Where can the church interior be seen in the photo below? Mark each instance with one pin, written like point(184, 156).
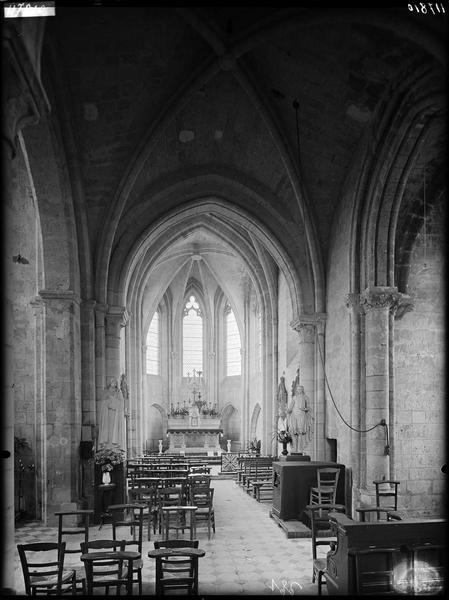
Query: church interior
point(223, 225)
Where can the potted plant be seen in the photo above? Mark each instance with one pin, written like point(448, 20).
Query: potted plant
point(107, 458)
point(284, 437)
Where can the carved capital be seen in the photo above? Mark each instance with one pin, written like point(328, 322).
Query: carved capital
point(308, 325)
point(118, 315)
point(380, 297)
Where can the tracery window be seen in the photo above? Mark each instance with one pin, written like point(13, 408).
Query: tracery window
point(233, 344)
point(153, 351)
point(192, 337)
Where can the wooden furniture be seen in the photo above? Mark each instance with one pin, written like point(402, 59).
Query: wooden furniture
point(203, 499)
point(106, 573)
point(176, 566)
point(380, 557)
point(363, 513)
point(127, 525)
point(325, 492)
point(147, 496)
point(179, 518)
point(387, 488)
point(291, 487)
point(110, 569)
point(43, 569)
point(197, 481)
point(106, 490)
point(83, 519)
point(170, 496)
point(320, 530)
point(263, 489)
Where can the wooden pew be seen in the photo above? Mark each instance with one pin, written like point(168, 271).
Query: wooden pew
point(386, 557)
point(263, 473)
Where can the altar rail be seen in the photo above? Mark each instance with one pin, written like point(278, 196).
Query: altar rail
point(389, 557)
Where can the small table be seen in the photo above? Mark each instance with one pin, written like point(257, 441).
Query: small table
point(105, 490)
point(89, 558)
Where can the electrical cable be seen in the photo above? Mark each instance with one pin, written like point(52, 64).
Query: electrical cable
point(381, 424)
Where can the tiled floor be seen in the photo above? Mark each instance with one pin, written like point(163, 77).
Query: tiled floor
point(248, 555)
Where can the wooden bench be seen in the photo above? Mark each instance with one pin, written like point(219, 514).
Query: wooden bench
point(263, 474)
point(263, 489)
point(386, 557)
point(255, 469)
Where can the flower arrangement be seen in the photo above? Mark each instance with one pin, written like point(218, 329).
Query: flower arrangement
point(284, 437)
point(108, 458)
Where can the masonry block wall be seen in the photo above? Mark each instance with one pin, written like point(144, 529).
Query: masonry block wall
point(22, 242)
point(419, 380)
point(337, 351)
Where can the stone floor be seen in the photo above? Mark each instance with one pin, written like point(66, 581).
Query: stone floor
point(248, 555)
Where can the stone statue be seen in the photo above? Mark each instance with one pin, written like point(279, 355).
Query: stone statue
point(299, 416)
point(124, 387)
point(282, 397)
point(111, 416)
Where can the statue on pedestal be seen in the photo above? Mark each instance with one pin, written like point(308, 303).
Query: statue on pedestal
point(111, 416)
point(299, 416)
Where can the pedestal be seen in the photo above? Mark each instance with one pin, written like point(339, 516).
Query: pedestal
point(113, 493)
point(291, 486)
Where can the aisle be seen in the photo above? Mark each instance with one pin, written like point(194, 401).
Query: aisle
point(249, 553)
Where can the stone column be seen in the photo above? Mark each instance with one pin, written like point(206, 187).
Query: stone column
point(311, 329)
point(88, 395)
point(100, 348)
point(88, 340)
point(63, 400)
point(116, 318)
point(38, 307)
point(377, 303)
point(357, 444)
point(23, 102)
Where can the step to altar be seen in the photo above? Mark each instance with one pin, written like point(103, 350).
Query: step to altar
point(292, 528)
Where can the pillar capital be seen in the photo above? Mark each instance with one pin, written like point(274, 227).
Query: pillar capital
point(118, 315)
point(307, 324)
point(380, 297)
point(50, 297)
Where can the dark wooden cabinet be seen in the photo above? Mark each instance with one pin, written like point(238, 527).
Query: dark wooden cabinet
point(291, 487)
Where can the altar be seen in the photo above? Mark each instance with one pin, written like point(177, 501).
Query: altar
point(194, 426)
point(191, 436)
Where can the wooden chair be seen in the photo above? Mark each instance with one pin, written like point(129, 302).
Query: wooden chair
point(203, 499)
point(170, 496)
point(325, 492)
point(147, 496)
point(387, 488)
point(43, 569)
point(127, 525)
point(82, 529)
point(319, 523)
point(176, 566)
point(106, 572)
point(196, 481)
point(381, 512)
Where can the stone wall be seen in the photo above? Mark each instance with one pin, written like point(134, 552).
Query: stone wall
point(22, 243)
point(420, 412)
